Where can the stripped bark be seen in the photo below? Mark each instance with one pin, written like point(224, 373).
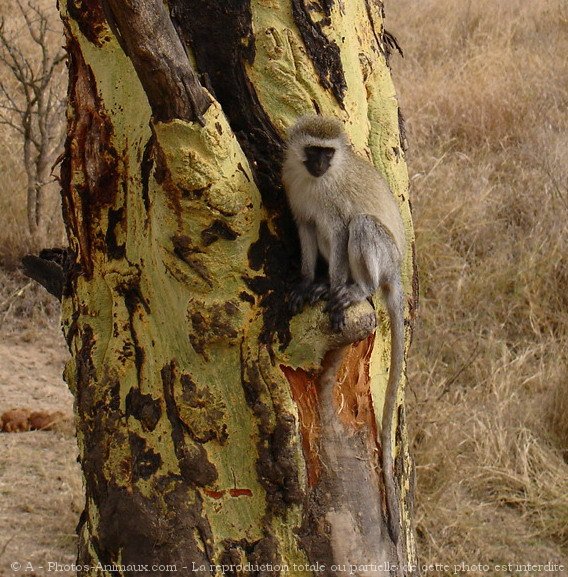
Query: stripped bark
point(213, 428)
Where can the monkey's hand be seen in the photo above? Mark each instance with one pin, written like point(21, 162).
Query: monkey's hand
point(307, 292)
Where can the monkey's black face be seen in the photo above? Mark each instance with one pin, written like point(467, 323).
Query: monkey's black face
point(318, 159)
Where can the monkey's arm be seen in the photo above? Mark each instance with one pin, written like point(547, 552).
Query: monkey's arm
point(338, 258)
point(309, 244)
point(308, 291)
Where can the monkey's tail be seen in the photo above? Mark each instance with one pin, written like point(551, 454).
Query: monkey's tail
point(395, 309)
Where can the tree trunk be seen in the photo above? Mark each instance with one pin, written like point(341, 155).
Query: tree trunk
point(31, 178)
point(206, 436)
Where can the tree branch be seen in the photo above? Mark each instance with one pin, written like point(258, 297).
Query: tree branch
point(30, 101)
point(47, 269)
point(7, 122)
point(145, 30)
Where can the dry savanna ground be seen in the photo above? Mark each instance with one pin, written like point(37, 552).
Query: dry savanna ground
point(40, 484)
point(484, 88)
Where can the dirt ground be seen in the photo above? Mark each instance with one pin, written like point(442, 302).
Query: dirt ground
point(40, 481)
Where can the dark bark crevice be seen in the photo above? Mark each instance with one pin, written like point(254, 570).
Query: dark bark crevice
point(219, 33)
point(324, 53)
point(90, 18)
point(116, 218)
point(134, 301)
point(275, 466)
point(143, 408)
point(194, 465)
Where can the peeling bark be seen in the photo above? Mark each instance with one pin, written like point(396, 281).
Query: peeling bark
point(212, 427)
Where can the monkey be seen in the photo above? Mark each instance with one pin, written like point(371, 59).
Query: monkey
point(346, 213)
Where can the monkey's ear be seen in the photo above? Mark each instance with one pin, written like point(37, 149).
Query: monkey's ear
point(47, 269)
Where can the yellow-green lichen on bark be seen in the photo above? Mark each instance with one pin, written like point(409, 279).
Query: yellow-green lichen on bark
point(185, 413)
point(371, 114)
point(282, 73)
point(127, 306)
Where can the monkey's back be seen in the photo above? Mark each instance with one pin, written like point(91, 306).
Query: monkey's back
point(370, 194)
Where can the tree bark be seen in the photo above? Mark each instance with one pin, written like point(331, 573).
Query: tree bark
point(212, 427)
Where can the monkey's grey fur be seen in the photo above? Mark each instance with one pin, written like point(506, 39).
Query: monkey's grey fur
point(345, 211)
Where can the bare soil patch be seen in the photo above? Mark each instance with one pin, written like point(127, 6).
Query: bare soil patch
point(40, 481)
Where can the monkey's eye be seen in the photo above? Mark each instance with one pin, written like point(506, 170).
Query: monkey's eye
point(328, 153)
point(314, 153)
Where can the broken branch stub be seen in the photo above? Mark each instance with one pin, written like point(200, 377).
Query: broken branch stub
point(147, 35)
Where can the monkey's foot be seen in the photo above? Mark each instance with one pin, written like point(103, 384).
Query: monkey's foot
point(317, 292)
point(307, 292)
point(340, 299)
point(337, 319)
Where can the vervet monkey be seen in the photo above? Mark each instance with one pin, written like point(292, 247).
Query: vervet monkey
point(345, 212)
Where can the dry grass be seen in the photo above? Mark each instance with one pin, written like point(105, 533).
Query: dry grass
point(40, 483)
point(14, 237)
point(41, 495)
point(25, 307)
point(485, 88)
